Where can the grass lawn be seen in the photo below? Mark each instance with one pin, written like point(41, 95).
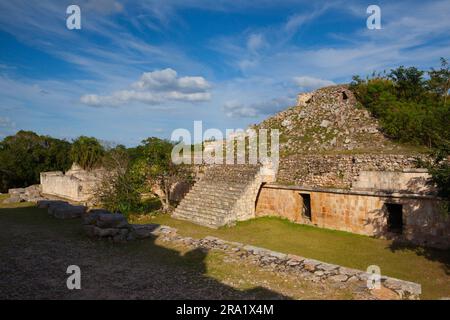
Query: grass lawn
point(430, 268)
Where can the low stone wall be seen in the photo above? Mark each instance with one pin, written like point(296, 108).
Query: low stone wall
point(360, 212)
point(308, 269)
point(339, 171)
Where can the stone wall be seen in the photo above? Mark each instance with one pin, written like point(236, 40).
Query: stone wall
point(76, 184)
point(339, 170)
point(303, 268)
point(407, 180)
point(360, 212)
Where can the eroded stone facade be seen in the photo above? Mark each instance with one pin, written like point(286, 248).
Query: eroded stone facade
point(362, 212)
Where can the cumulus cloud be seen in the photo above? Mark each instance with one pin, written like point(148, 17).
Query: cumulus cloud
point(235, 109)
point(155, 88)
point(311, 83)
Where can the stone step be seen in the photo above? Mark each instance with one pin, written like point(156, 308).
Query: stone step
point(213, 208)
point(211, 200)
point(195, 217)
point(217, 195)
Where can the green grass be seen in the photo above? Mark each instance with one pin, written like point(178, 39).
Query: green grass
point(430, 268)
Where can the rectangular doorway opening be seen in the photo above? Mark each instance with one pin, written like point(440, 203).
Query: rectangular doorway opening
point(306, 208)
point(394, 217)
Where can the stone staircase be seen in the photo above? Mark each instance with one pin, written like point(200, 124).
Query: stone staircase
point(224, 195)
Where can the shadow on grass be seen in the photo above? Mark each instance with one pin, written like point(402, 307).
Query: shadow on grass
point(134, 270)
point(441, 256)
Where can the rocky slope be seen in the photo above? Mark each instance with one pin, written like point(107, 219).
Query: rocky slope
point(329, 120)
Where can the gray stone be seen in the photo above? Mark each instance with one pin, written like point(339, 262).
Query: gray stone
point(16, 191)
point(293, 263)
point(327, 267)
point(107, 232)
point(339, 278)
point(348, 271)
point(143, 231)
point(55, 205)
point(68, 211)
point(111, 220)
point(277, 255)
point(254, 250)
point(211, 239)
point(44, 204)
point(310, 264)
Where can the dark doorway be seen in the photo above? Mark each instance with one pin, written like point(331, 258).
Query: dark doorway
point(306, 209)
point(394, 217)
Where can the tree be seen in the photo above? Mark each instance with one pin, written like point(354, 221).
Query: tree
point(439, 81)
point(87, 152)
point(26, 154)
point(409, 82)
point(159, 169)
point(119, 189)
point(410, 109)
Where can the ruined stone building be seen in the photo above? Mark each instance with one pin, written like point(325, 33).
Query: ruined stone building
point(76, 184)
point(336, 170)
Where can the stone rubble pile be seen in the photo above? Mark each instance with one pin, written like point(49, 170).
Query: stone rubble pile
point(28, 194)
point(62, 209)
point(308, 269)
point(99, 223)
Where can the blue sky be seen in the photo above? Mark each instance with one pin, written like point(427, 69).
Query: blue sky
point(144, 68)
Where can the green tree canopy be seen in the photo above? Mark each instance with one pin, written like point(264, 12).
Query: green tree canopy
point(87, 152)
point(24, 155)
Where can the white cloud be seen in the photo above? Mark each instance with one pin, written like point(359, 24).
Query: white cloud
point(235, 109)
point(155, 88)
point(311, 83)
point(256, 41)
point(168, 80)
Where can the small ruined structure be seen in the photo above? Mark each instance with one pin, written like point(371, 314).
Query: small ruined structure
point(76, 185)
point(337, 170)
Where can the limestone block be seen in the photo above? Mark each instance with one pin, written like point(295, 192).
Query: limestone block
point(111, 220)
point(68, 211)
point(144, 231)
